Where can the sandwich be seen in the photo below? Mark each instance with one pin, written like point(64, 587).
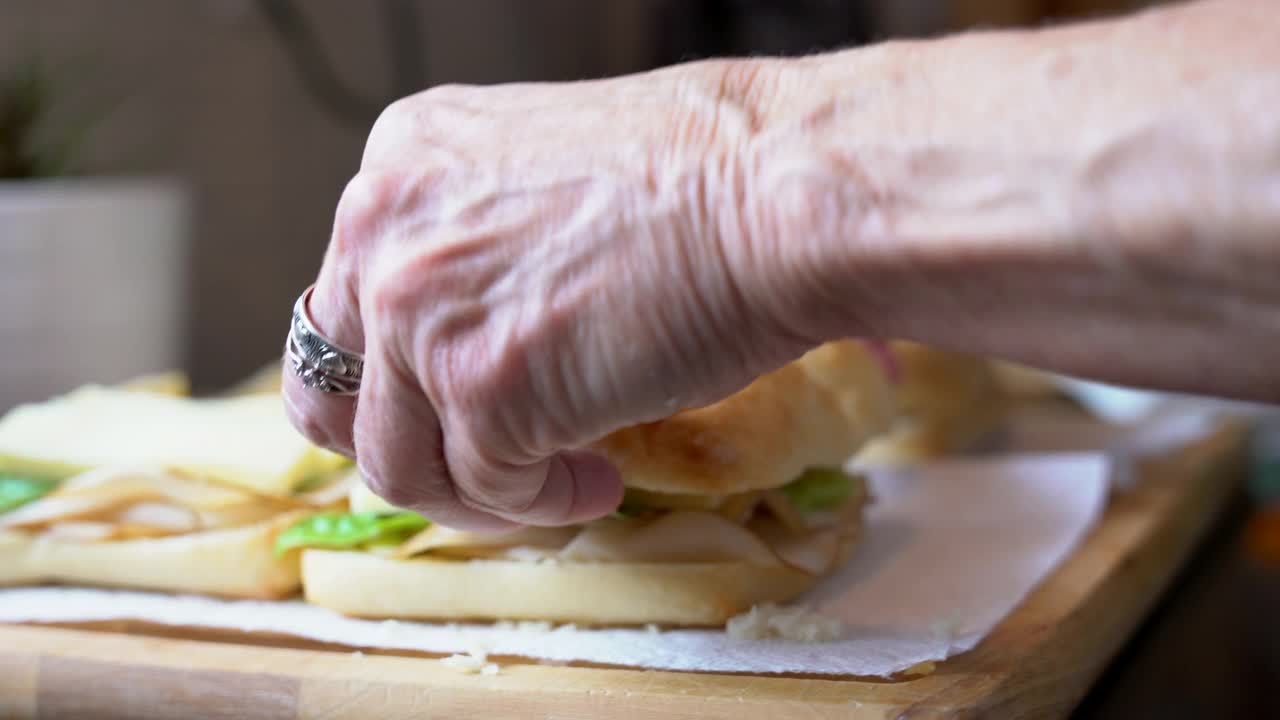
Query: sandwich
point(947, 403)
point(140, 486)
point(749, 501)
point(736, 504)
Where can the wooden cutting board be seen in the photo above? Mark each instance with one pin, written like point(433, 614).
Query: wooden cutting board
point(1036, 664)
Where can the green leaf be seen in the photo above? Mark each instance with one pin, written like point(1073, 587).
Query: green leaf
point(629, 508)
point(347, 531)
point(819, 489)
point(16, 491)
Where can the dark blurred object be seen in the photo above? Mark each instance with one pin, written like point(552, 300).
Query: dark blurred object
point(710, 28)
point(1004, 13)
point(1212, 648)
point(406, 57)
point(33, 144)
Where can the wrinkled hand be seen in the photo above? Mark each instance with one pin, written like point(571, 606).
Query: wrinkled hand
point(529, 267)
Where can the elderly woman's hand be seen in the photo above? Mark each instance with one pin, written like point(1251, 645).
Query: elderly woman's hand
point(528, 267)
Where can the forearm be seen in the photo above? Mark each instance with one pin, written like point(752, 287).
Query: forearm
point(1101, 199)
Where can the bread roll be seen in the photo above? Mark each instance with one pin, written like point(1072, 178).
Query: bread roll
point(815, 411)
point(239, 562)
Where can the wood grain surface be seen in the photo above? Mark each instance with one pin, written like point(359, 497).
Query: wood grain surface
point(1036, 664)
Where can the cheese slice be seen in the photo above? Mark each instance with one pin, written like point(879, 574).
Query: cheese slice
point(246, 441)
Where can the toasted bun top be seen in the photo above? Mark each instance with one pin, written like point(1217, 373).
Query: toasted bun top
point(933, 381)
point(815, 411)
point(947, 403)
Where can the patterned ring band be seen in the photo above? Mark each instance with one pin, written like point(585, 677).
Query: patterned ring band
point(320, 363)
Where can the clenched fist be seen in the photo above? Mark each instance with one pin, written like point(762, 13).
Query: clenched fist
point(529, 267)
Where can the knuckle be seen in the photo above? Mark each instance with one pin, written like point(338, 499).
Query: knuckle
point(446, 93)
point(366, 202)
point(407, 118)
point(389, 129)
point(390, 302)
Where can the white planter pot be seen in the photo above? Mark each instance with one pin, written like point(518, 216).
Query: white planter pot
point(92, 283)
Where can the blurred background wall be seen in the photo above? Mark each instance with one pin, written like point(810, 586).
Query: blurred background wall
point(230, 98)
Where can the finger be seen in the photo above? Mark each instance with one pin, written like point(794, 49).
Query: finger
point(565, 489)
point(323, 418)
point(399, 448)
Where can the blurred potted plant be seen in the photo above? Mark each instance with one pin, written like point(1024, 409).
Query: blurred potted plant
point(91, 264)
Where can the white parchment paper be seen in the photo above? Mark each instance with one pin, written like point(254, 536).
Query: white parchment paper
point(950, 549)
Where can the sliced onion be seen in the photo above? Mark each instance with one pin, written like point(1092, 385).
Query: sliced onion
point(441, 540)
point(780, 507)
point(164, 502)
point(187, 490)
point(236, 516)
point(127, 531)
point(739, 508)
point(162, 517)
point(81, 531)
point(680, 536)
point(524, 553)
point(57, 508)
point(813, 551)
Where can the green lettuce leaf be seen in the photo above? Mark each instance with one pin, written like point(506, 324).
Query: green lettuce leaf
point(16, 490)
point(819, 489)
point(348, 531)
point(630, 507)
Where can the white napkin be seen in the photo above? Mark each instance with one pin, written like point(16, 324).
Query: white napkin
point(949, 550)
point(1123, 445)
point(1122, 405)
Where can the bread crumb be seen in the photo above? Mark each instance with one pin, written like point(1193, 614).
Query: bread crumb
point(652, 629)
point(539, 556)
point(796, 623)
point(473, 662)
point(523, 626)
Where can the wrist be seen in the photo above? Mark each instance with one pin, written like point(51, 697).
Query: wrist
point(882, 190)
point(763, 192)
point(821, 208)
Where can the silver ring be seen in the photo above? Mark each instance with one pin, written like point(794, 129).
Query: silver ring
point(319, 362)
